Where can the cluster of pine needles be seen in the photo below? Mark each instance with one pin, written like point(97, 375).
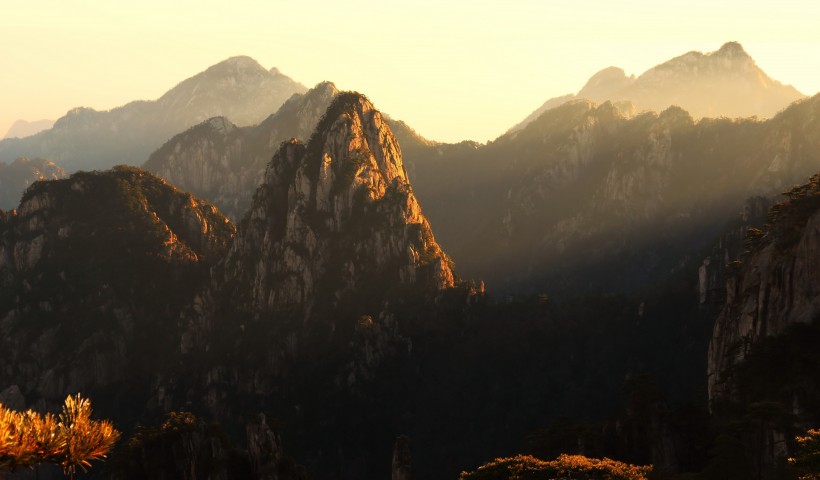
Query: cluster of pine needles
point(70, 439)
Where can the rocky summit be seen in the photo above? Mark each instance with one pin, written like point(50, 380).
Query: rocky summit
point(334, 218)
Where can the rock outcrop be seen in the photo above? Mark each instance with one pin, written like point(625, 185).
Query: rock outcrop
point(776, 285)
point(19, 174)
point(223, 163)
point(333, 219)
point(94, 270)
point(723, 83)
point(237, 88)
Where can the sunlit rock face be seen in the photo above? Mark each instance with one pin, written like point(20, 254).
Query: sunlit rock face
point(723, 83)
point(223, 163)
point(238, 88)
point(19, 174)
point(776, 285)
point(334, 219)
point(93, 272)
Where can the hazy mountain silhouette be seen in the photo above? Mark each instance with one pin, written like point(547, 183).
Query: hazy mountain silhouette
point(724, 83)
point(238, 88)
point(22, 128)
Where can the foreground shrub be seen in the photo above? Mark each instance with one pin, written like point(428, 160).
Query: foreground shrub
point(579, 467)
point(70, 439)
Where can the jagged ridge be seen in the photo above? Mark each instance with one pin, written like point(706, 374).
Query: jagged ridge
point(334, 217)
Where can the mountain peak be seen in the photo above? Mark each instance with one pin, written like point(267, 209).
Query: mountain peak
point(732, 49)
point(352, 124)
point(240, 62)
point(326, 85)
point(344, 199)
point(601, 85)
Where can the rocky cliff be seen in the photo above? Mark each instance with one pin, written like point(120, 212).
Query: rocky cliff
point(223, 163)
point(19, 174)
point(763, 380)
point(726, 82)
point(777, 284)
point(333, 270)
point(237, 88)
point(93, 272)
point(334, 218)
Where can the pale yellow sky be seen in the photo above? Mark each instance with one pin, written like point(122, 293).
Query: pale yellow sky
point(453, 70)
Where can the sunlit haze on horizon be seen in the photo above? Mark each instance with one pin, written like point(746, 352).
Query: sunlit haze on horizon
point(452, 70)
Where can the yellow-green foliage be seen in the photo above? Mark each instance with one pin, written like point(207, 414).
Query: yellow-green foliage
point(70, 439)
point(525, 467)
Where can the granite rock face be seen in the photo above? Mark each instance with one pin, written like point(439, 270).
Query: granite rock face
point(775, 286)
point(333, 218)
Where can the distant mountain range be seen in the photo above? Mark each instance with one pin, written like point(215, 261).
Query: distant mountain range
point(22, 128)
point(224, 163)
point(597, 190)
point(576, 186)
point(84, 139)
point(724, 83)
